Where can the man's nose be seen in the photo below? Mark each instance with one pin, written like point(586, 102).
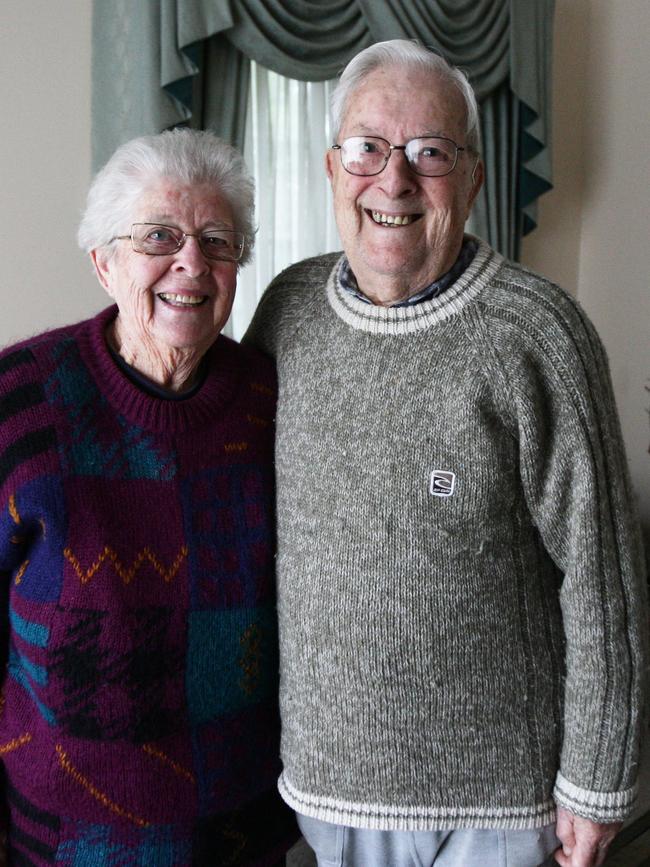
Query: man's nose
point(397, 178)
point(190, 258)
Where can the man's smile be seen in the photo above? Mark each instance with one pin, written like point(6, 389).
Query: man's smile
point(392, 220)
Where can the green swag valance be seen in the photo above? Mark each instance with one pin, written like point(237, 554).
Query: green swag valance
point(158, 63)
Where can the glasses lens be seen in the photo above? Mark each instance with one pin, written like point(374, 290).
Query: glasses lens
point(431, 156)
point(155, 240)
point(222, 244)
point(364, 155)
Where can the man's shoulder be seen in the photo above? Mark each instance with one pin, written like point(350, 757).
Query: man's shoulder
point(534, 325)
point(532, 304)
point(528, 287)
point(306, 274)
point(289, 301)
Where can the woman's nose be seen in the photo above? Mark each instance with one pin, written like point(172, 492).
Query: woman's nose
point(190, 257)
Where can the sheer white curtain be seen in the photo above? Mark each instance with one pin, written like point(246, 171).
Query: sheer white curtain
point(287, 134)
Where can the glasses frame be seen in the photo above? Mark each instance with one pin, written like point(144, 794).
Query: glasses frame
point(393, 147)
point(185, 235)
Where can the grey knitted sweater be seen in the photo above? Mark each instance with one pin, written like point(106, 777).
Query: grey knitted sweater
point(461, 601)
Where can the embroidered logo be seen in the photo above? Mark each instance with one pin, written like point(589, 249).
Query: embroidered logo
point(443, 483)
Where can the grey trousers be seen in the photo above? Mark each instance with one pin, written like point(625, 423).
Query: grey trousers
point(340, 846)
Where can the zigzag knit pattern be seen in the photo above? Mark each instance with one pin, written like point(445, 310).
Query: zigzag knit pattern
point(139, 721)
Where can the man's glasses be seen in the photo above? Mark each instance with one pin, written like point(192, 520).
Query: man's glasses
point(154, 239)
point(431, 156)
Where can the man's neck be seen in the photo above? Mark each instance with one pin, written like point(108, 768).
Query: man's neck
point(391, 291)
point(387, 290)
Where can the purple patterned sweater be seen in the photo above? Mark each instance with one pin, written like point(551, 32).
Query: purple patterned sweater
point(139, 721)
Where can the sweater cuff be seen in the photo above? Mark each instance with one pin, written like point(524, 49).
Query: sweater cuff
point(602, 807)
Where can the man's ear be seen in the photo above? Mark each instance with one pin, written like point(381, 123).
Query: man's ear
point(102, 262)
point(478, 176)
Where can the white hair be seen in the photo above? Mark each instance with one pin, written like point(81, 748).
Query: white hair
point(409, 54)
point(185, 156)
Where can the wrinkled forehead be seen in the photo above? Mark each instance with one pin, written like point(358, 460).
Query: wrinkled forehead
point(423, 100)
point(164, 198)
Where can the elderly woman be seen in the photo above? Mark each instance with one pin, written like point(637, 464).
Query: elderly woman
point(139, 721)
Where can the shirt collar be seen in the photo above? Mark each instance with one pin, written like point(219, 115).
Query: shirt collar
point(348, 281)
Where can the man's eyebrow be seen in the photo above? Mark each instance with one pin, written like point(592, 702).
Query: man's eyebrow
point(362, 129)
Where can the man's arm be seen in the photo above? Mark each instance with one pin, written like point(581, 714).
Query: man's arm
point(554, 375)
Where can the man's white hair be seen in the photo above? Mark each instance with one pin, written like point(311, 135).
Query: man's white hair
point(185, 156)
point(408, 54)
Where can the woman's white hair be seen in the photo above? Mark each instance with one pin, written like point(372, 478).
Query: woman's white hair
point(185, 156)
point(408, 54)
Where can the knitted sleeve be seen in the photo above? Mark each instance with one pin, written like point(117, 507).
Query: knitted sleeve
point(553, 373)
point(20, 391)
point(25, 435)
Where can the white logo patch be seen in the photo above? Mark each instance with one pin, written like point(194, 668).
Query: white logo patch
point(443, 483)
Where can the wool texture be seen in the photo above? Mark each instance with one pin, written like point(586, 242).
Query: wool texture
point(460, 578)
point(139, 721)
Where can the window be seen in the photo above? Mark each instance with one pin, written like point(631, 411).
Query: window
point(287, 135)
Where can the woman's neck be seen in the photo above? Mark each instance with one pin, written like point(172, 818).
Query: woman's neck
point(168, 367)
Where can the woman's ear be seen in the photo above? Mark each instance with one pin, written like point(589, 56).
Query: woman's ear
point(102, 262)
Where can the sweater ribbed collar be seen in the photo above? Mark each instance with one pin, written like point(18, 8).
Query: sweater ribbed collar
point(150, 412)
point(407, 320)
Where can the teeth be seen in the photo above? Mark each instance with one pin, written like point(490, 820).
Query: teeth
point(390, 220)
point(191, 300)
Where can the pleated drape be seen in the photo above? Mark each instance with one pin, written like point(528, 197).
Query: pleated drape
point(158, 63)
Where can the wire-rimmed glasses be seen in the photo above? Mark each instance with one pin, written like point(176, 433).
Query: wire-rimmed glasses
point(431, 156)
point(155, 239)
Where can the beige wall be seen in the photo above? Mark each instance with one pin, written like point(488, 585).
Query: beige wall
point(45, 160)
point(593, 229)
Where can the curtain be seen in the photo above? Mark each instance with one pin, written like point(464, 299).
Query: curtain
point(163, 62)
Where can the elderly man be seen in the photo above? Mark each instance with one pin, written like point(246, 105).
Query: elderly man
point(460, 575)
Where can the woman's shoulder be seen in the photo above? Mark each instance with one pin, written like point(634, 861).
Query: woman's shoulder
point(42, 344)
point(26, 363)
point(249, 361)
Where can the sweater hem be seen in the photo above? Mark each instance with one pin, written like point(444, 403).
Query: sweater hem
point(389, 817)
